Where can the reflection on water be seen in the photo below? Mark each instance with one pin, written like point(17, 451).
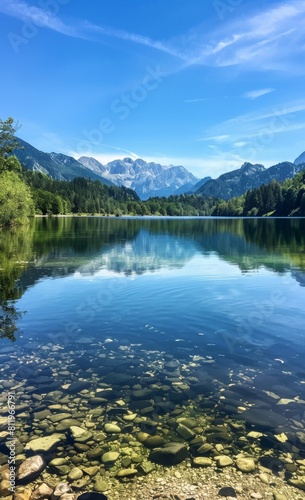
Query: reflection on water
point(188, 330)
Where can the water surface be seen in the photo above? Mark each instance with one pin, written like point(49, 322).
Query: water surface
point(204, 316)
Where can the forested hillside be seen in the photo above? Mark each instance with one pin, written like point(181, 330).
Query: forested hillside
point(277, 199)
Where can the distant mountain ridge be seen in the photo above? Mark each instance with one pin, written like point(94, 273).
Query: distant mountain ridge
point(148, 179)
point(56, 165)
point(237, 182)
point(151, 179)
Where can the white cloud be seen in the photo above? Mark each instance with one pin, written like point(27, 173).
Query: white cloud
point(195, 100)
point(36, 15)
point(243, 42)
point(215, 138)
point(254, 94)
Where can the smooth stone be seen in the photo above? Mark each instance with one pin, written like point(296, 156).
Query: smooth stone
point(41, 415)
point(223, 461)
point(95, 453)
point(58, 417)
point(30, 469)
point(141, 394)
point(148, 426)
point(101, 485)
point(57, 461)
point(227, 491)
point(79, 434)
point(172, 365)
point(74, 474)
point(154, 441)
point(205, 449)
point(91, 496)
point(130, 417)
point(297, 483)
point(127, 473)
point(264, 478)
point(69, 496)
point(43, 491)
point(112, 429)
point(110, 457)
point(267, 420)
point(79, 484)
point(202, 462)
point(91, 471)
point(61, 470)
point(126, 462)
point(45, 444)
point(81, 447)
point(170, 454)
point(142, 437)
point(279, 496)
point(61, 489)
point(97, 401)
point(188, 422)
point(185, 432)
point(78, 386)
point(65, 424)
point(245, 464)
point(23, 493)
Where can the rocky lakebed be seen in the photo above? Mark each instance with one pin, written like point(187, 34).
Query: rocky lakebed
point(107, 419)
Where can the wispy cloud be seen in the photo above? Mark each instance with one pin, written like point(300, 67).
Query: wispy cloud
point(37, 15)
point(254, 94)
point(252, 133)
point(271, 37)
point(195, 100)
point(215, 138)
point(241, 42)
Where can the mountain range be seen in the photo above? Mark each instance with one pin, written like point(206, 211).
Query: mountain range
point(149, 179)
point(237, 182)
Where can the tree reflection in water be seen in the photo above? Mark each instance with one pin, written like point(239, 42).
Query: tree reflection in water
point(15, 253)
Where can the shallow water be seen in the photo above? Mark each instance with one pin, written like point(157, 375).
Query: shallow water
point(203, 317)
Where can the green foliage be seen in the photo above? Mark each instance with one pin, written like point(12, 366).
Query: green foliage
point(15, 252)
point(10, 164)
point(278, 199)
point(15, 200)
point(8, 142)
point(92, 197)
point(15, 196)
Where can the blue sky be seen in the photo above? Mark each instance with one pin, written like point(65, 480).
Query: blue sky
point(204, 84)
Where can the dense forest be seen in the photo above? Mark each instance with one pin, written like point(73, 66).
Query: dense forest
point(87, 196)
point(24, 193)
point(275, 199)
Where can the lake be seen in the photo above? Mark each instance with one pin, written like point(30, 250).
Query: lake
point(144, 331)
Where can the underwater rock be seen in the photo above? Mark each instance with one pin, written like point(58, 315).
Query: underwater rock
point(30, 469)
point(170, 454)
point(245, 464)
point(45, 444)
